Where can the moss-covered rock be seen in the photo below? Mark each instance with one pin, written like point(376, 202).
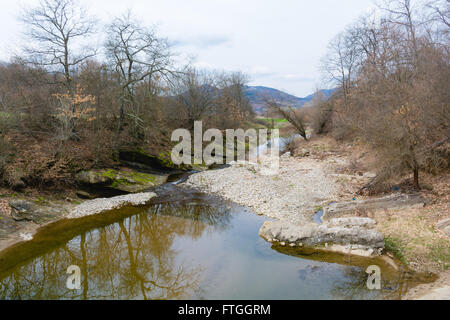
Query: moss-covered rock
point(161, 162)
point(141, 159)
point(122, 180)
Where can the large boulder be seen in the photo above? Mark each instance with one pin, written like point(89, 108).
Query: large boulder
point(129, 181)
point(93, 177)
point(162, 162)
point(346, 235)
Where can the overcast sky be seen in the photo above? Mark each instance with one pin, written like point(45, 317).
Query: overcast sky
point(278, 43)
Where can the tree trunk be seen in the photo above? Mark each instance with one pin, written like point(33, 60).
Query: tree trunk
point(119, 126)
point(416, 179)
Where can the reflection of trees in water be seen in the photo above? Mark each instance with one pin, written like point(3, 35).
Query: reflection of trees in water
point(218, 216)
point(353, 282)
point(354, 285)
point(130, 259)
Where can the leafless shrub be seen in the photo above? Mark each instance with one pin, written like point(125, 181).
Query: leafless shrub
point(295, 116)
point(319, 113)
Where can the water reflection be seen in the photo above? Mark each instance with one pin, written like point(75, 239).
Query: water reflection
point(352, 285)
point(130, 259)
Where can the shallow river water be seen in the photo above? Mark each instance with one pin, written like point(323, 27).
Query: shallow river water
point(188, 246)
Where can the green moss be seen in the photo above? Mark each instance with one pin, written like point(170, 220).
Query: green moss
point(110, 173)
point(166, 159)
point(140, 177)
point(40, 200)
point(122, 180)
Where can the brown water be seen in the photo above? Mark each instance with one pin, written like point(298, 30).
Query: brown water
point(187, 246)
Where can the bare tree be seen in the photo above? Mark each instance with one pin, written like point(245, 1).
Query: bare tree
point(195, 93)
point(339, 65)
point(441, 10)
point(137, 54)
point(54, 27)
point(233, 106)
point(295, 116)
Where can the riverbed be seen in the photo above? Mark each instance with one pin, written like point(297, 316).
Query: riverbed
point(183, 245)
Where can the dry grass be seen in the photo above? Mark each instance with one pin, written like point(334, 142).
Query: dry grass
point(412, 237)
point(410, 232)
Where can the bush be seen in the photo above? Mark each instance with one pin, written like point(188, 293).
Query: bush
point(7, 122)
point(320, 118)
point(5, 151)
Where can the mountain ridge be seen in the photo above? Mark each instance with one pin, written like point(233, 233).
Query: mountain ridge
point(256, 95)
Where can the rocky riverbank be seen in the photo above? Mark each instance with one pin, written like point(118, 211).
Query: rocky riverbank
point(21, 218)
point(326, 176)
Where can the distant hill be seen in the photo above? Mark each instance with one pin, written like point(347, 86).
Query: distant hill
point(256, 94)
point(326, 92)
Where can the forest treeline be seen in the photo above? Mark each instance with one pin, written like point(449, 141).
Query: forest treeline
point(392, 71)
point(66, 105)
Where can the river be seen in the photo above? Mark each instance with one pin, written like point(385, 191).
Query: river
point(184, 245)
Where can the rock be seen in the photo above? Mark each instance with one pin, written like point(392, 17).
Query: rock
point(83, 194)
point(346, 235)
point(102, 205)
point(7, 223)
point(123, 180)
point(352, 222)
point(162, 162)
point(199, 167)
point(444, 225)
point(92, 177)
point(140, 157)
point(22, 210)
point(26, 236)
point(341, 209)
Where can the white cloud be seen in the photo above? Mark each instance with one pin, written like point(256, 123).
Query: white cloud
point(278, 43)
